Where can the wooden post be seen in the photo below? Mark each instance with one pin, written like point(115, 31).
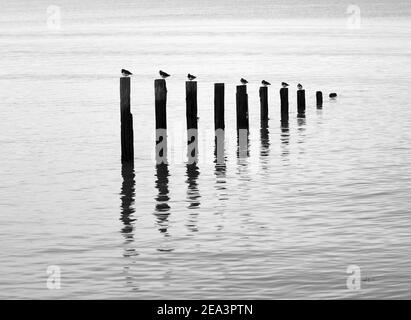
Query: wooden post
point(301, 103)
point(284, 105)
point(191, 115)
point(160, 92)
point(242, 107)
point(319, 96)
point(219, 122)
point(191, 104)
point(263, 105)
point(127, 138)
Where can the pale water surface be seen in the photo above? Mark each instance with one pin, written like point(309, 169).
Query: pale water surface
point(331, 191)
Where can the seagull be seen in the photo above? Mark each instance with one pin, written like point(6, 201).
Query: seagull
point(243, 81)
point(163, 74)
point(125, 73)
point(191, 77)
point(285, 84)
point(300, 86)
point(333, 95)
point(265, 83)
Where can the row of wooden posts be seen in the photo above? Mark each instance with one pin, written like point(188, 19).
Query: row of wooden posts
point(160, 90)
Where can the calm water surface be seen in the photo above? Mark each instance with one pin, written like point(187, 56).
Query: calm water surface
point(329, 191)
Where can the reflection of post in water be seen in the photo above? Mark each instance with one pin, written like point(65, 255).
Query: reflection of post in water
point(193, 194)
point(301, 121)
point(265, 140)
point(301, 135)
point(162, 198)
point(162, 208)
point(243, 143)
point(285, 139)
point(219, 154)
point(127, 200)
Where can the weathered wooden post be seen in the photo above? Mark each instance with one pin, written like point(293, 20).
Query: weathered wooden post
point(242, 120)
point(263, 105)
point(160, 92)
point(127, 137)
point(301, 103)
point(192, 126)
point(242, 107)
point(284, 105)
point(219, 122)
point(191, 104)
point(319, 98)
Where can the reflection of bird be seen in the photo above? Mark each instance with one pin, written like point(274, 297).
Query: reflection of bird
point(265, 83)
point(125, 73)
point(285, 84)
point(191, 77)
point(243, 81)
point(300, 86)
point(163, 74)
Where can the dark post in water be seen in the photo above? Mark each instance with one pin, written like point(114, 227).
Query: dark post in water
point(284, 105)
point(191, 104)
point(319, 97)
point(191, 114)
point(242, 107)
point(160, 92)
point(219, 122)
point(127, 145)
point(301, 103)
point(263, 105)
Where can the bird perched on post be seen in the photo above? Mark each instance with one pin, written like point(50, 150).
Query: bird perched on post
point(163, 74)
point(265, 83)
point(243, 81)
point(191, 77)
point(125, 73)
point(285, 84)
point(300, 86)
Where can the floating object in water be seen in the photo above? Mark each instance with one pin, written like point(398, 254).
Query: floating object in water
point(285, 84)
point(125, 73)
point(333, 95)
point(243, 81)
point(163, 74)
point(265, 83)
point(191, 77)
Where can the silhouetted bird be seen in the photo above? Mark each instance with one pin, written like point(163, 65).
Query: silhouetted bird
point(333, 95)
point(163, 74)
point(265, 83)
point(125, 73)
point(243, 81)
point(285, 84)
point(191, 77)
point(300, 86)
